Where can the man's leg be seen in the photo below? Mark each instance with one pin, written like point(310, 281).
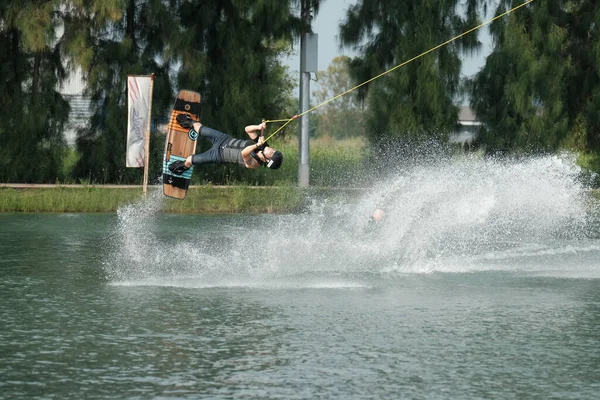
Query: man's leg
point(210, 156)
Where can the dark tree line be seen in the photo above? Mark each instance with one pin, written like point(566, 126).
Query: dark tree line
point(538, 91)
point(540, 88)
point(226, 49)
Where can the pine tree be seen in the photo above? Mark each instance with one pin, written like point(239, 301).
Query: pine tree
point(417, 99)
point(111, 40)
point(226, 50)
point(582, 21)
point(32, 112)
point(520, 93)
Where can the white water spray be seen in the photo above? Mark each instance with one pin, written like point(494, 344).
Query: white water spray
point(449, 215)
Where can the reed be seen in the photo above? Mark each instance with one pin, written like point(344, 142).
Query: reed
point(236, 199)
point(200, 199)
point(66, 199)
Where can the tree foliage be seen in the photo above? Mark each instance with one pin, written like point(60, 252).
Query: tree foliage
point(110, 40)
point(343, 117)
point(519, 93)
point(538, 90)
point(416, 99)
point(226, 49)
point(32, 112)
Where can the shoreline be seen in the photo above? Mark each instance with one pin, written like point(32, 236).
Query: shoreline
point(200, 199)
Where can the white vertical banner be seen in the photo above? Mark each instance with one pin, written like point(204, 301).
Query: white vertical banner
point(139, 93)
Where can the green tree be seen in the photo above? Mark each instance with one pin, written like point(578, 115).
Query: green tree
point(344, 116)
point(520, 94)
point(582, 100)
point(32, 113)
point(417, 99)
point(110, 40)
point(540, 88)
point(227, 50)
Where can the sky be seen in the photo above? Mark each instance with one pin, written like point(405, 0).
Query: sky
point(326, 23)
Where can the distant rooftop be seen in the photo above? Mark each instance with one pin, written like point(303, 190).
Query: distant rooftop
point(467, 117)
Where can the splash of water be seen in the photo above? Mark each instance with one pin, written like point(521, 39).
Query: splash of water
point(461, 209)
point(133, 239)
point(450, 214)
point(447, 215)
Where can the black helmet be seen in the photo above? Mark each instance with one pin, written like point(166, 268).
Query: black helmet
point(276, 160)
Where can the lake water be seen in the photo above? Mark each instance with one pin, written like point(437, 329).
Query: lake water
point(482, 281)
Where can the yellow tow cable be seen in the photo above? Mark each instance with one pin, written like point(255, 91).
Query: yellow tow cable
point(287, 121)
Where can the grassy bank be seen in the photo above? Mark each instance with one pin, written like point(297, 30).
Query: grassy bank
point(66, 199)
point(199, 199)
point(236, 199)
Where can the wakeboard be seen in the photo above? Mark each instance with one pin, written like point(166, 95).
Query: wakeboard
point(180, 144)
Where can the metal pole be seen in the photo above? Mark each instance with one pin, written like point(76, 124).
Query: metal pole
point(303, 134)
point(147, 140)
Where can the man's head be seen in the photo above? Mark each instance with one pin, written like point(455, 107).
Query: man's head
point(378, 215)
point(274, 158)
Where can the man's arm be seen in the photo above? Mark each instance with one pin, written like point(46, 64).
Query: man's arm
point(253, 130)
point(248, 160)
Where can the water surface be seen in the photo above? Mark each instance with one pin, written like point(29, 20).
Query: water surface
point(482, 281)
